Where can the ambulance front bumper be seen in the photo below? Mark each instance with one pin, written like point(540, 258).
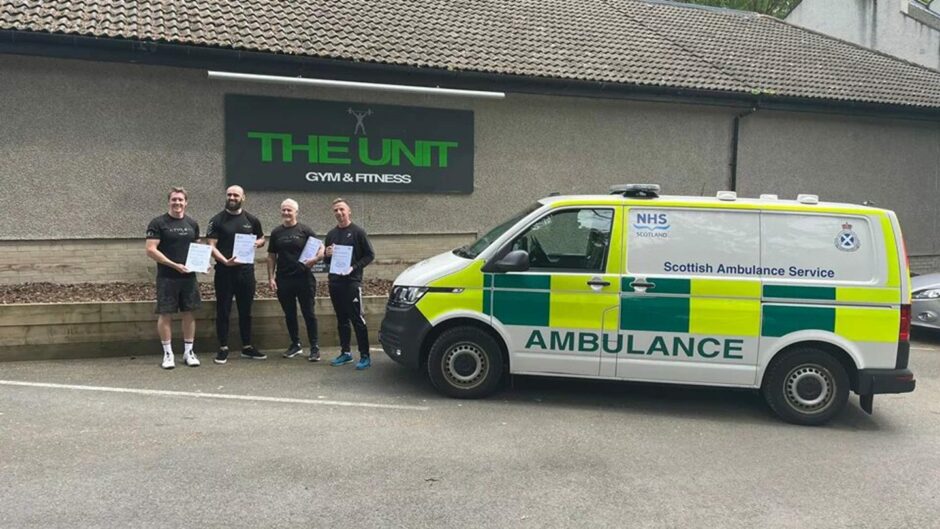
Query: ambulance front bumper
point(402, 333)
point(878, 381)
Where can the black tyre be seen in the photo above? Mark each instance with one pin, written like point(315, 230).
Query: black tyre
point(465, 363)
point(806, 386)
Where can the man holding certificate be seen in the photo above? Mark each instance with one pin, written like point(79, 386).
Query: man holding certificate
point(168, 240)
point(348, 251)
point(293, 251)
point(234, 234)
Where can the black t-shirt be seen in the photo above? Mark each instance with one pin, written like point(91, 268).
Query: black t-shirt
point(288, 244)
point(363, 254)
point(224, 226)
point(174, 235)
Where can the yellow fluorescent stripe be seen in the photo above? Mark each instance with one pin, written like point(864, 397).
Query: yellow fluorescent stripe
point(605, 200)
point(891, 252)
point(615, 252)
point(579, 283)
point(435, 304)
point(731, 317)
point(469, 277)
point(584, 311)
point(731, 288)
point(768, 206)
point(868, 295)
point(867, 324)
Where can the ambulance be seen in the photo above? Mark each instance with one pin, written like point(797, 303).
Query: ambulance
point(802, 300)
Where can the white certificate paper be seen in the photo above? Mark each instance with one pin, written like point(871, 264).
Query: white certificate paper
point(197, 259)
point(310, 249)
point(244, 250)
point(342, 259)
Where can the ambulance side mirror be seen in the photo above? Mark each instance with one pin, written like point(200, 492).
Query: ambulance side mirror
point(515, 261)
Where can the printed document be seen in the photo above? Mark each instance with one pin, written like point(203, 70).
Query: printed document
point(310, 249)
point(244, 251)
point(342, 259)
point(197, 259)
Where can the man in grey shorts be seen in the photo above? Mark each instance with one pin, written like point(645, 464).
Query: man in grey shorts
point(168, 239)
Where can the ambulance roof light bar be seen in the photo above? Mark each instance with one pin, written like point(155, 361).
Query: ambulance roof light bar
point(807, 199)
point(636, 190)
point(331, 83)
point(727, 195)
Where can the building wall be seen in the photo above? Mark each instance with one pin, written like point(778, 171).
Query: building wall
point(896, 27)
point(895, 164)
point(88, 150)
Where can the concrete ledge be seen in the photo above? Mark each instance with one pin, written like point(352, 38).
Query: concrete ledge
point(46, 331)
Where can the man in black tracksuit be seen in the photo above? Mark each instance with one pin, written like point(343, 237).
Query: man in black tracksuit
point(346, 288)
point(233, 278)
point(293, 279)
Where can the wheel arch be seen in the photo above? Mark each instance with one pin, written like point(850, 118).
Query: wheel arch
point(841, 354)
point(444, 325)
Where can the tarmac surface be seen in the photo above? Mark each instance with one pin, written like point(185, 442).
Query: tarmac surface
point(285, 443)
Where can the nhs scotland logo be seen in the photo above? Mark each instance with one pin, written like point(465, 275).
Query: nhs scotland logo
point(651, 225)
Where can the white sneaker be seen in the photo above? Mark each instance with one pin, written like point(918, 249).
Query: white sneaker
point(168, 361)
point(190, 359)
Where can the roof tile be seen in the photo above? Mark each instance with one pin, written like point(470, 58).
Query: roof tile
point(629, 42)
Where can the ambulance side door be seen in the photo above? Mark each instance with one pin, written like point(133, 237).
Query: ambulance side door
point(690, 300)
point(555, 312)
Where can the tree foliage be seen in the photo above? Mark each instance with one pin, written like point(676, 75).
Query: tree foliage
point(777, 8)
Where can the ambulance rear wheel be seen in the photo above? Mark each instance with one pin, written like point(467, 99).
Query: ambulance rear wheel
point(806, 386)
point(465, 363)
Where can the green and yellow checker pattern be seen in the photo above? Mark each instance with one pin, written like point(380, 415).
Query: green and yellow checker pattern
point(745, 308)
point(724, 307)
point(854, 313)
point(727, 307)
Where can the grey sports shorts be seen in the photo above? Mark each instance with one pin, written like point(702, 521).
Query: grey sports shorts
point(177, 294)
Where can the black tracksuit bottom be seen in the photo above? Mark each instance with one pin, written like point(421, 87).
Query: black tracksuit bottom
point(302, 289)
point(236, 281)
point(347, 303)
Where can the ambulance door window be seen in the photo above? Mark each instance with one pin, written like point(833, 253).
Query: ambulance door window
point(572, 240)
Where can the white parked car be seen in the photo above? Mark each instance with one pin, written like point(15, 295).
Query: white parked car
point(925, 301)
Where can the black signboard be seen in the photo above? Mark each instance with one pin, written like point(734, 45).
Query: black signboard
point(278, 144)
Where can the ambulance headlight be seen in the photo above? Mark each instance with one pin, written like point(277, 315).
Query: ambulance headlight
point(405, 296)
point(932, 293)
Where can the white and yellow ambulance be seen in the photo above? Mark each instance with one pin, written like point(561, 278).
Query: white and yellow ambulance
point(802, 299)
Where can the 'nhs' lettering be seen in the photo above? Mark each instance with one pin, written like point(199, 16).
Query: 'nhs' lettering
point(651, 218)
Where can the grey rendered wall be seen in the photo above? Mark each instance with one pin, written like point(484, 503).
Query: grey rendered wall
point(88, 150)
point(882, 25)
point(896, 164)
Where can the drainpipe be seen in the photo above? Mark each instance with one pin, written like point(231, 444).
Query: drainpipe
point(735, 134)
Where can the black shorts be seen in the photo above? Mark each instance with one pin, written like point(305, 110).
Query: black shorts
point(177, 294)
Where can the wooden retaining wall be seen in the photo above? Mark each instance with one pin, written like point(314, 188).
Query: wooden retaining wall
point(44, 331)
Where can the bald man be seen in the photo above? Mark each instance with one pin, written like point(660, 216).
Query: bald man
point(233, 278)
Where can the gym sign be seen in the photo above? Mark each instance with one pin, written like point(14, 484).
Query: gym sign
point(275, 144)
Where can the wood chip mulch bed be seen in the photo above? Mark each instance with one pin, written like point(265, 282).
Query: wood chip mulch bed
point(93, 292)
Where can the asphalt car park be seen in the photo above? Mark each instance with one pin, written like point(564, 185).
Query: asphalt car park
point(121, 443)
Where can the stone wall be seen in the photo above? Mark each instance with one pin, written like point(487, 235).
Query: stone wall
point(45, 331)
point(104, 260)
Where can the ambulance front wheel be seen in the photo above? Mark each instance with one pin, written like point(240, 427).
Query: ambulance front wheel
point(806, 386)
point(466, 363)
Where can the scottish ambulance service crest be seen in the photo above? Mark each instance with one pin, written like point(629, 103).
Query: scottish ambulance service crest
point(847, 240)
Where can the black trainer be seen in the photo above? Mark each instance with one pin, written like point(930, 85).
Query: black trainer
point(294, 350)
point(254, 354)
point(314, 355)
point(221, 357)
